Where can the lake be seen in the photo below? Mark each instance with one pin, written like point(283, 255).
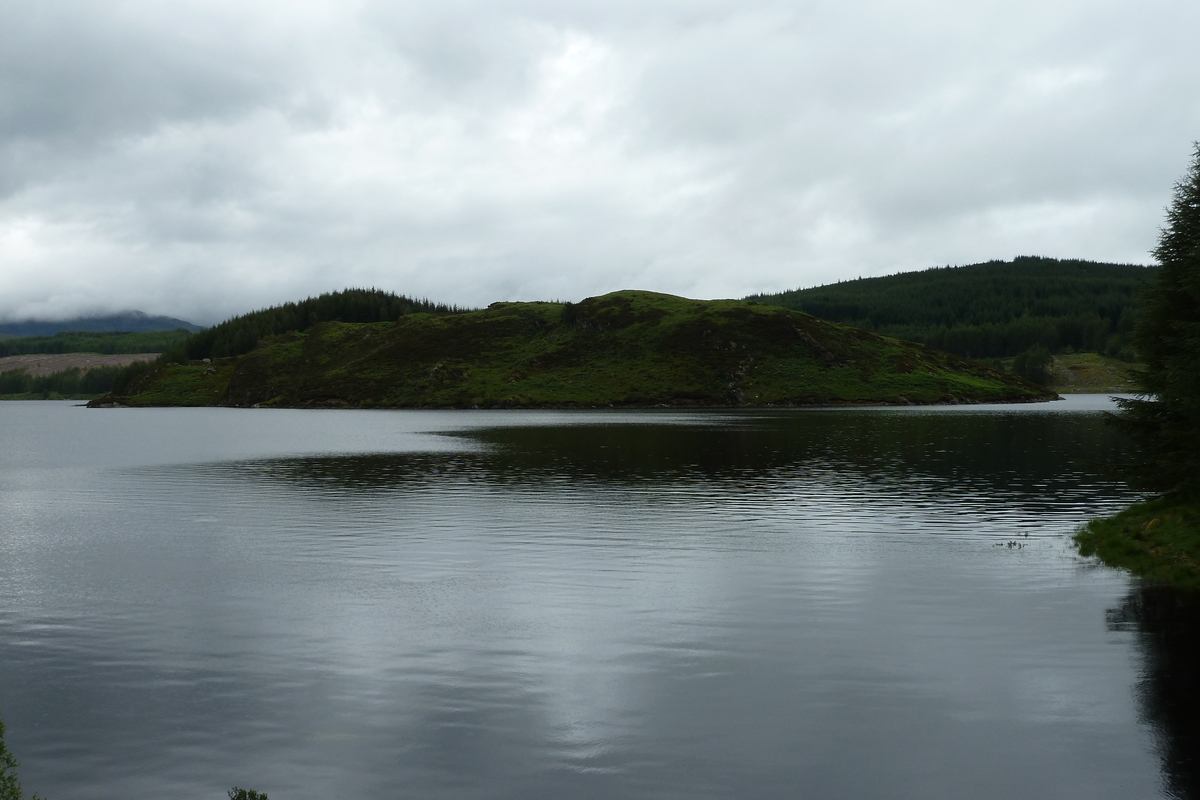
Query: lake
point(802, 603)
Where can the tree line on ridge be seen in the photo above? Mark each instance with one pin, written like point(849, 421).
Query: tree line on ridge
point(997, 309)
point(108, 342)
point(240, 335)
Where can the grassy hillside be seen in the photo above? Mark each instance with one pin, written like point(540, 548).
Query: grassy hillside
point(626, 349)
point(992, 310)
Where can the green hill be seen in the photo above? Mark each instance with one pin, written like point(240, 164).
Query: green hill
point(993, 310)
point(623, 349)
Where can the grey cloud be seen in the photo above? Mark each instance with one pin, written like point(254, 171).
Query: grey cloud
point(86, 70)
point(200, 159)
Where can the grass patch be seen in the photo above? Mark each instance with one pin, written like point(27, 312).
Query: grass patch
point(183, 385)
point(1158, 540)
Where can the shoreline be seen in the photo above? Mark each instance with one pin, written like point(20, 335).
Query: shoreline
point(1157, 540)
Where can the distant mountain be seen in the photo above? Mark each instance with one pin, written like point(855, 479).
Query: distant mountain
point(128, 321)
point(991, 310)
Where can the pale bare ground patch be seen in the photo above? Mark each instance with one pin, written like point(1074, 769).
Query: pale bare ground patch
point(48, 363)
point(1089, 373)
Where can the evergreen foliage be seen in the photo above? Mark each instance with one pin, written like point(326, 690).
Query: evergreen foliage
point(242, 334)
point(130, 374)
point(10, 787)
point(1034, 365)
point(997, 309)
point(68, 383)
point(246, 794)
point(84, 342)
point(1165, 416)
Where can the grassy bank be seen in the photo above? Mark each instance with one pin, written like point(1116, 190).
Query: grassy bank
point(1158, 540)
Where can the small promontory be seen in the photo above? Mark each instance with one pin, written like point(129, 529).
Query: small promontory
point(628, 348)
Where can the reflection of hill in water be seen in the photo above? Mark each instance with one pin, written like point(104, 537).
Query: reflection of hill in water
point(1167, 623)
point(1022, 456)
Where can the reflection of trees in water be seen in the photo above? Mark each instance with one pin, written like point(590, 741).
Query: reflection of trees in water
point(1033, 459)
point(1005, 448)
point(1167, 623)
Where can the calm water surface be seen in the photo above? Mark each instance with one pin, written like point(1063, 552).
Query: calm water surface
point(799, 604)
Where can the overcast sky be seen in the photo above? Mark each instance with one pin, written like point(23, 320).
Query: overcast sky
point(201, 158)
